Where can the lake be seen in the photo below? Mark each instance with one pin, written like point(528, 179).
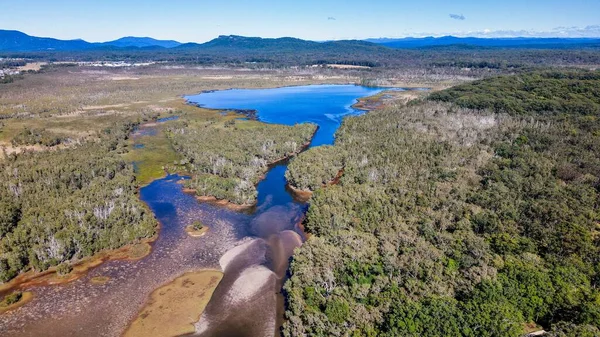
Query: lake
point(324, 105)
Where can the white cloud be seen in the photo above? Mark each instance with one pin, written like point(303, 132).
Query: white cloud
point(566, 32)
point(589, 31)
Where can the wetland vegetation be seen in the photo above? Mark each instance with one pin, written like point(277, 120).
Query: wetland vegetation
point(14, 300)
point(62, 205)
point(70, 168)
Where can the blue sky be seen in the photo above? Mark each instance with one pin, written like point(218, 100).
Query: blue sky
point(202, 20)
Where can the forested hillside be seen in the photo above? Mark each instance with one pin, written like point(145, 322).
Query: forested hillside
point(62, 205)
point(237, 51)
point(449, 221)
point(227, 159)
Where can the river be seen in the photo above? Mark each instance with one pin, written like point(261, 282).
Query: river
point(252, 249)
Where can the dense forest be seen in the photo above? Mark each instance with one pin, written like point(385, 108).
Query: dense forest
point(227, 159)
point(60, 205)
point(472, 213)
point(537, 93)
point(315, 168)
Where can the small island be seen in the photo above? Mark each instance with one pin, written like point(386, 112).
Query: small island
point(14, 300)
point(99, 280)
point(196, 229)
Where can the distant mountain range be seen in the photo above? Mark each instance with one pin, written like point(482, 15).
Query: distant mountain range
point(12, 40)
point(517, 42)
point(237, 43)
point(141, 42)
point(15, 41)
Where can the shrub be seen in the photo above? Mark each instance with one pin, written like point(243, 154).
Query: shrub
point(12, 298)
point(64, 268)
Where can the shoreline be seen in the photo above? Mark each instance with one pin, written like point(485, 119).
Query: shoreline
point(253, 114)
point(304, 195)
point(220, 202)
point(400, 86)
point(247, 207)
point(299, 194)
point(27, 296)
point(49, 277)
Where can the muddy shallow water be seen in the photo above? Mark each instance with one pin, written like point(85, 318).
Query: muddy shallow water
point(84, 309)
point(252, 249)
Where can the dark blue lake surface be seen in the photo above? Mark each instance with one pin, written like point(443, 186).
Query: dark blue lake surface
point(324, 105)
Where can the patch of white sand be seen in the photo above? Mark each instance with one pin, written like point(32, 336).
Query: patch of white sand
point(236, 251)
point(249, 284)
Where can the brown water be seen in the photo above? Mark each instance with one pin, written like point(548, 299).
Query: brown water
point(252, 250)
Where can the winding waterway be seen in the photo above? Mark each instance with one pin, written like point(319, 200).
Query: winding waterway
point(248, 302)
point(253, 250)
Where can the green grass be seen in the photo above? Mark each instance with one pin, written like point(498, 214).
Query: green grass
point(151, 160)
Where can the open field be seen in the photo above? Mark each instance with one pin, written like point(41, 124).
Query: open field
point(92, 91)
point(33, 66)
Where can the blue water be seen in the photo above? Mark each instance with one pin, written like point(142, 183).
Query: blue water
point(166, 119)
point(324, 105)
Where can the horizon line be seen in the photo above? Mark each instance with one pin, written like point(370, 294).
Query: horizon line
point(424, 36)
